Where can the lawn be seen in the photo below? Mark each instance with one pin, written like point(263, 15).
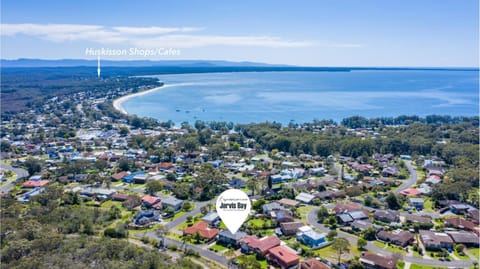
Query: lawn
point(428, 205)
point(218, 248)
point(108, 204)
point(391, 248)
point(464, 257)
point(331, 255)
point(475, 252)
point(303, 212)
point(258, 223)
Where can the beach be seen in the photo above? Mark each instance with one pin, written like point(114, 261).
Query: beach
point(117, 103)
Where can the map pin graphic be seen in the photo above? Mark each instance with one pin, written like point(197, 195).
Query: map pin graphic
point(233, 207)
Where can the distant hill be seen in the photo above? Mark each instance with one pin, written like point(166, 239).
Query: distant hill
point(128, 63)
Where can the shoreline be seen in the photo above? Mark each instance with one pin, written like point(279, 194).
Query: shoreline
point(117, 102)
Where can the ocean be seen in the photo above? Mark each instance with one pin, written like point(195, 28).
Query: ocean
point(299, 97)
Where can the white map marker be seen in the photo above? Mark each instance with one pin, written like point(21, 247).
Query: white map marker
point(233, 207)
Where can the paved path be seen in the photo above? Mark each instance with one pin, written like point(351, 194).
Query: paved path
point(21, 173)
point(312, 220)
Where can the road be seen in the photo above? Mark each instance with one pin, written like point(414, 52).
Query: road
point(203, 252)
point(312, 220)
point(412, 180)
point(21, 173)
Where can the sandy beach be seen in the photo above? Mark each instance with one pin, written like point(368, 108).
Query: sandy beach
point(117, 103)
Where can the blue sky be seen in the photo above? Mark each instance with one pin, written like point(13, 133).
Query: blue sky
point(310, 32)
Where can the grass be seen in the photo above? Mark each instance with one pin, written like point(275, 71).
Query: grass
point(108, 204)
point(428, 205)
point(475, 252)
point(391, 248)
point(258, 223)
point(330, 254)
point(218, 248)
point(303, 212)
point(464, 257)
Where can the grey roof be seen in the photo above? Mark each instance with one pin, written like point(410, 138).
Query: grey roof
point(304, 197)
point(463, 237)
point(314, 235)
point(358, 214)
point(172, 201)
point(236, 236)
point(345, 217)
point(212, 216)
point(273, 206)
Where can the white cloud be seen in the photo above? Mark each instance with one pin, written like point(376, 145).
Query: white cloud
point(152, 36)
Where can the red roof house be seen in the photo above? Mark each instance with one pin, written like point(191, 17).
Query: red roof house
point(253, 243)
point(283, 257)
point(35, 184)
point(202, 228)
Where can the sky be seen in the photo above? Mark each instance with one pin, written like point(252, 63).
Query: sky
point(307, 32)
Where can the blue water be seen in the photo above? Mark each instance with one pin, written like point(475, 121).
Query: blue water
point(304, 96)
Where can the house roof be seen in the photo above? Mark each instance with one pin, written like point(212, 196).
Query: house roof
point(210, 217)
point(202, 228)
point(463, 237)
point(304, 197)
point(262, 244)
point(313, 263)
point(417, 219)
point(284, 254)
point(345, 217)
point(401, 236)
point(120, 196)
point(362, 224)
point(410, 192)
point(314, 235)
point(378, 261)
point(291, 226)
point(34, 184)
point(429, 237)
point(289, 202)
point(346, 207)
point(236, 236)
point(150, 199)
point(460, 223)
point(119, 175)
point(386, 214)
point(358, 214)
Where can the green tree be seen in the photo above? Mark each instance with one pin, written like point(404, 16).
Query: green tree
point(331, 235)
point(322, 214)
point(33, 166)
point(361, 243)
point(392, 201)
point(153, 186)
point(341, 246)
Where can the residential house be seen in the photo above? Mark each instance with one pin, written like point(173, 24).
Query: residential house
point(283, 257)
point(346, 207)
point(411, 218)
point(397, 237)
point(119, 197)
point(410, 192)
point(390, 170)
point(435, 241)
point(203, 230)
point(312, 239)
point(320, 171)
point(118, 176)
point(468, 239)
point(288, 203)
point(362, 225)
point(237, 183)
point(462, 224)
point(474, 214)
point(252, 243)
point(313, 263)
point(226, 238)
point(459, 208)
point(304, 197)
point(35, 183)
point(358, 215)
point(151, 201)
point(344, 219)
point(387, 216)
point(267, 208)
point(172, 202)
point(416, 202)
point(130, 177)
point(290, 228)
point(146, 217)
point(281, 216)
point(212, 219)
point(375, 261)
